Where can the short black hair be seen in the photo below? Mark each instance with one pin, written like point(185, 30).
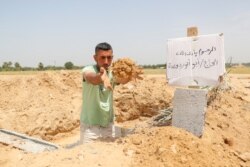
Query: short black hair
point(103, 46)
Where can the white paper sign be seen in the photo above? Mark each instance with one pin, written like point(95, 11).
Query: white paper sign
point(195, 60)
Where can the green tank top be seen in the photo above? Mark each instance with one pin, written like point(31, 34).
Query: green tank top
point(97, 102)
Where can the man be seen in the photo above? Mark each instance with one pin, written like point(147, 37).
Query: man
point(97, 114)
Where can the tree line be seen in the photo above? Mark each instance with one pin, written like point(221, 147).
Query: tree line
point(9, 66)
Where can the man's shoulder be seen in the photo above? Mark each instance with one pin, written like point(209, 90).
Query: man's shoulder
point(89, 68)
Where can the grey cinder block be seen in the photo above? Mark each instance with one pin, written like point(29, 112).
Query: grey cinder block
point(189, 110)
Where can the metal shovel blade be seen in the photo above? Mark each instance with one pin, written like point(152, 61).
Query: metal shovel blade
point(24, 142)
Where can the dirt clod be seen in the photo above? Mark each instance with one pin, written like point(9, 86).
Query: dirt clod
point(126, 69)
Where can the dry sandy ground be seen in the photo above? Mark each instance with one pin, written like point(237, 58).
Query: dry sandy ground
point(47, 106)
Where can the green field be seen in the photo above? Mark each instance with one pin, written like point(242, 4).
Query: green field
point(22, 72)
point(239, 70)
point(232, 70)
point(154, 71)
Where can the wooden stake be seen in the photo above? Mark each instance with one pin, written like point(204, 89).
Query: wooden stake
point(192, 31)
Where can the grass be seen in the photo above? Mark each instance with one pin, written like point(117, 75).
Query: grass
point(18, 72)
point(239, 70)
point(154, 71)
point(232, 70)
point(22, 72)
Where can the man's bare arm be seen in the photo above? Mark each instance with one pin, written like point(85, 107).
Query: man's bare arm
point(99, 78)
point(93, 78)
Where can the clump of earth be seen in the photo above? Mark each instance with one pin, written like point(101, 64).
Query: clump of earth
point(126, 69)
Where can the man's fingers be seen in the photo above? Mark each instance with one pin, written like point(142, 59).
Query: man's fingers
point(107, 84)
point(110, 87)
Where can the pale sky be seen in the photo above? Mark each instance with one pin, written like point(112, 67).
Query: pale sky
point(56, 31)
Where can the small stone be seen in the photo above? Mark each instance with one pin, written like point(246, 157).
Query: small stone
point(219, 125)
point(228, 141)
point(173, 148)
point(128, 152)
point(80, 156)
point(161, 150)
point(245, 156)
point(20, 157)
point(137, 151)
point(136, 141)
point(224, 114)
point(183, 159)
point(119, 141)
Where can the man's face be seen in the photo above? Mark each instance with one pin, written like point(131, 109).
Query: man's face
point(104, 58)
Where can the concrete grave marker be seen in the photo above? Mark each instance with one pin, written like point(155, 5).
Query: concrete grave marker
point(189, 110)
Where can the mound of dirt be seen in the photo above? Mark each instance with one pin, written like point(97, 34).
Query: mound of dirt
point(41, 105)
point(142, 98)
point(226, 136)
point(170, 146)
point(49, 103)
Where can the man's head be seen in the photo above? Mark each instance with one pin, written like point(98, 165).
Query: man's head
point(103, 55)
